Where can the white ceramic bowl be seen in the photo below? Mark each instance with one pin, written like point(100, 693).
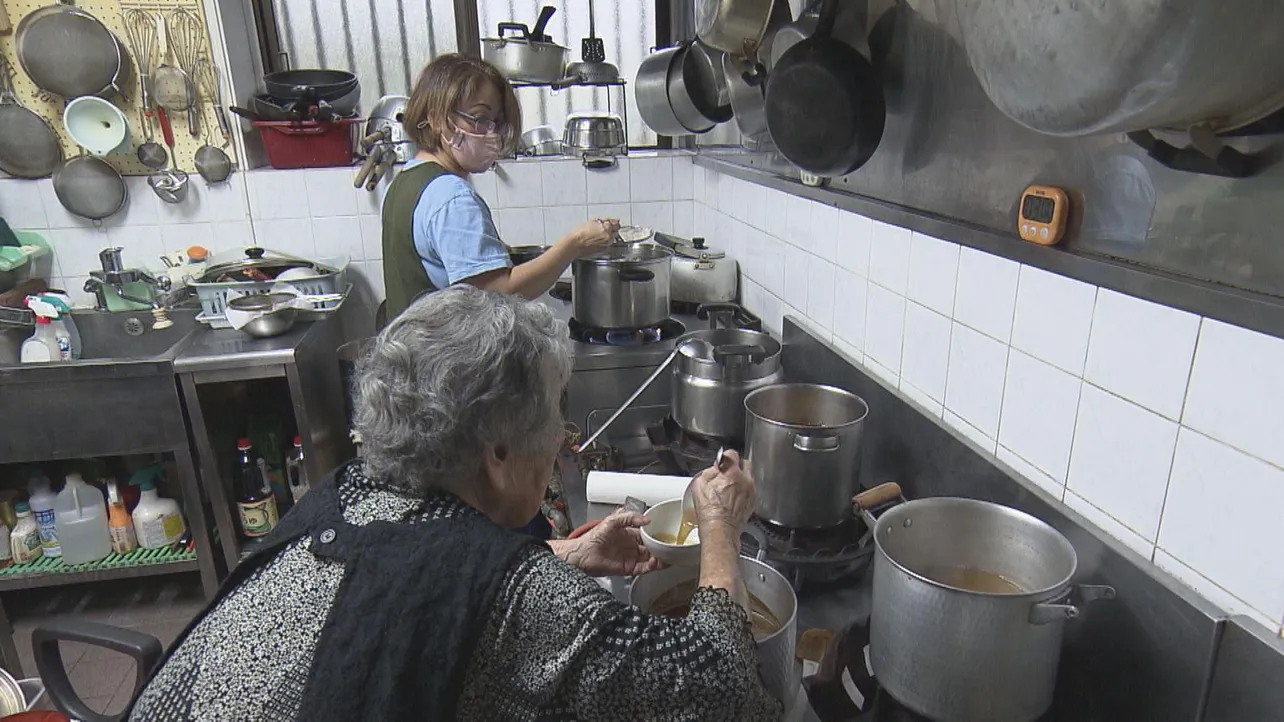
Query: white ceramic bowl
point(665, 518)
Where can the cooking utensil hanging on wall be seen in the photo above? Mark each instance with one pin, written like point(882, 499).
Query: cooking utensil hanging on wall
point(526, 54)
point(733, 26)
point(140, 29)
point(745, 90)
point(169, 185)
point(29, 147)
point(186, 39)
point(825, 106)
point(89, 187)
point(68, 52)
point(171, 87)
point(651, 92)
point(591, 68)
point(212, 163)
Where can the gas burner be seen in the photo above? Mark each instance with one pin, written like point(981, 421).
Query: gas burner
point(681, 452)
point(830, 690)
point(727, 315)
point(667, 329)
point(814, 555)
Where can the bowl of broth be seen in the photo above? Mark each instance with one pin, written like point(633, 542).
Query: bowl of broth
point(665, 538)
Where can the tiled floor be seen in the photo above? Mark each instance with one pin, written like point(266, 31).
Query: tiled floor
point(105, 680)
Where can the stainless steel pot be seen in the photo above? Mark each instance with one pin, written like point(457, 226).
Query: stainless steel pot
point(734, 26)
point(594, 132)
point(625, 287)
point(715, 371)
point(697, 90)
point(775, 652)
point(523, 54)
point(702, 274)
point(540, 140)
point(387, 115)
point(802, 447)
point(651, 91)
point(970, 599)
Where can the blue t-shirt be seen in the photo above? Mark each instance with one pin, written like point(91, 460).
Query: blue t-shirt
point(454, 232)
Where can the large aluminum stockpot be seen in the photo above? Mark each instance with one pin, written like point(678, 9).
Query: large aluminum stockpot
point(802, 447)
point(715, 370)
point(775, 651)
point(623, 287)
point(970, 599)
point(523, 54)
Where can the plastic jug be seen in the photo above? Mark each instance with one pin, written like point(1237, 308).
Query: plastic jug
point(41, 502)
point(80, 515)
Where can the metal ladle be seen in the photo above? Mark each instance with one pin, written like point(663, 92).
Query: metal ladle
point(141, 29)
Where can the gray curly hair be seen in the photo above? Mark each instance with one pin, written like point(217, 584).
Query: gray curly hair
point(459, 370)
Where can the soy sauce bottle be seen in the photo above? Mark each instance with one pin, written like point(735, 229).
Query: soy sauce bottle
point(254, 499)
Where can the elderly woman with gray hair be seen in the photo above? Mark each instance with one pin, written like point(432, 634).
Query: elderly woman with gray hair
point(396, 591)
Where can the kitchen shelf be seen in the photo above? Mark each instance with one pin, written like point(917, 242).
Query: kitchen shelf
point(528, 84)
point(51, 572)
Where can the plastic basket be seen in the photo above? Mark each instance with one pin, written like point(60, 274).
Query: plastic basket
point(307, 143)
point(214, 296)
point(318, 310)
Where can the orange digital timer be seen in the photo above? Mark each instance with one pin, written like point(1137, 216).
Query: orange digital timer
point(1043, 214)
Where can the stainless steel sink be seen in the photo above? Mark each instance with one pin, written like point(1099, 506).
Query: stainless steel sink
point(131, 336)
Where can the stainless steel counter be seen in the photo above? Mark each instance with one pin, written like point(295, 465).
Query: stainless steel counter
point(219, 349)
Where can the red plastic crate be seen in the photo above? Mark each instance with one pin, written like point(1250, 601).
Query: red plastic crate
point(307, 143)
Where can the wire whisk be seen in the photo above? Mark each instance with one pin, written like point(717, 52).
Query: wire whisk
point(186, 36)
point(140, 29)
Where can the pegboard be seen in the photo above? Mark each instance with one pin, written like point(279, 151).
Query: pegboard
point(111, 14)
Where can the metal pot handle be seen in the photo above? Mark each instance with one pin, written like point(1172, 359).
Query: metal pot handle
point(1061, 608)
point(759, 536)
point(635, 275)
point(815, 444)
point(727, 352)
point(524, 31)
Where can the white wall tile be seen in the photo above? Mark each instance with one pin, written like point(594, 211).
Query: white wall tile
point(797, 270)
point(756, 205)
point(1039, 406)
point(850, 293)
point(142, 245)
point(520, 184)
point(1121, 459)
point(820, 292)
point(882, 373)
point(564, 182)
point(853, 242)
point(751, 296)
point(986, 293)
point(1030, 472)
point(487, 186)
point(1209, 590)
point(798, 222)
point(657, 215)
point(286, 235)
point(1222, 519)
point(930, 405)
point(609, 185)
point(1053, 317)
point(1111, 526)
point(974, 391)
point(369, 203)
point(330, 192)
point(926, 356)
point(968, 431)
point(698, 193)
point(933, 270)
point(561, 220)
point(623, 212)
point(277, 194)
point(851, 352)
point(20, 204)
point(824, 231)
point(773, 263)
point(684, 178)
point(231, 236)
point(227, 201)
point(338, 237)
point(195, 208)
point(712, 184)
point(884, 327)
point(521, 226)
point(142, 207)
point(651, 178)
point(181, 236)
point(1141, 351)
point(1236, 388)
point(771, 312)
point(371, 238)
point(55, 213)
point(370, 274)
point(775, 219)
point(684, 218)
point(889, 254)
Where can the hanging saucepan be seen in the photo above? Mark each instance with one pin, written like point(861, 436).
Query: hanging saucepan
point(29, 148)
point(695, 89)
point(825, 107)
point(733, 27)
point(651, 91)
point(68, 52)
point(745, 90)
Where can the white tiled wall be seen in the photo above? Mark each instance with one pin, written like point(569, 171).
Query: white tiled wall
point(317, 213)
point(1163, 428)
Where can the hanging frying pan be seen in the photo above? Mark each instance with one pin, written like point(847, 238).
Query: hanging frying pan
point(825, 108)
point(29, 148)
point(69, 52)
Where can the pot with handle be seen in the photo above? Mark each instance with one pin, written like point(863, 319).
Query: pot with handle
point(802, 447)
point(524, 54)
point(623, 287)
point(970, 599)
point(716, 369)
point(651, 92)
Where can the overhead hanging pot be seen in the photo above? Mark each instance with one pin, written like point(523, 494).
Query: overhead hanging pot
point(68, 52)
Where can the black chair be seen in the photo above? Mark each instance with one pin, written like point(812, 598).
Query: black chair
point(145, 649)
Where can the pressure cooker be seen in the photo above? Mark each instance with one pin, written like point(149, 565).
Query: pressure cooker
point(716, 369)
point(701, 273)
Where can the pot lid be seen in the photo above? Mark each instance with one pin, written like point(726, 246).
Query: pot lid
point(256, 259)
point(634, 253)
point(715, 353)
point(698, 250)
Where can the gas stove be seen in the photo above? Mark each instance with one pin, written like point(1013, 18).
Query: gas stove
point(664, 331)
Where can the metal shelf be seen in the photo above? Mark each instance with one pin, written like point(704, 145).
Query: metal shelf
point(527, 84)
point(52, 572)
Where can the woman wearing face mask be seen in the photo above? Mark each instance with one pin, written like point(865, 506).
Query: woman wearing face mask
point(463, 115)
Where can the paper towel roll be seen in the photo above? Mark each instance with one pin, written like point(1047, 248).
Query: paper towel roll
point(610, 487)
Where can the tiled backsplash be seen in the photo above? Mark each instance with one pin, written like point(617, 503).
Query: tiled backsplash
point(1161, 427)
point(317, 213)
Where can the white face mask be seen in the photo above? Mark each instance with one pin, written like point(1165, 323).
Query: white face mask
point(476, 153)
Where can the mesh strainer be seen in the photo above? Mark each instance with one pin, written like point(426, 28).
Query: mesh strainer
point(69, 52)
point(29, 148)
point(89, 187)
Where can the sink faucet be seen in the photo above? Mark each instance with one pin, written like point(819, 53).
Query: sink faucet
point(115, 276)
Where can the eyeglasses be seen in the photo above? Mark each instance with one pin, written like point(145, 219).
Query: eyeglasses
point(486, 126)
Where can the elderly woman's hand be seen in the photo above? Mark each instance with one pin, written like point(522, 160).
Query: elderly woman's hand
point(724, 497)
point(613, 547)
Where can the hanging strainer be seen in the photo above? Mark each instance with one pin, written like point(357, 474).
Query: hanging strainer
point(212, 163)
point(29, 148)
point(89, 187)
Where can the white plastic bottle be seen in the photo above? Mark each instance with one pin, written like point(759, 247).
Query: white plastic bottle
point(42, 347)
point(81, 516)
point(24, 540)
point(63, 336)
point(157, 521)
point(6, 549)
point(42, 499)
